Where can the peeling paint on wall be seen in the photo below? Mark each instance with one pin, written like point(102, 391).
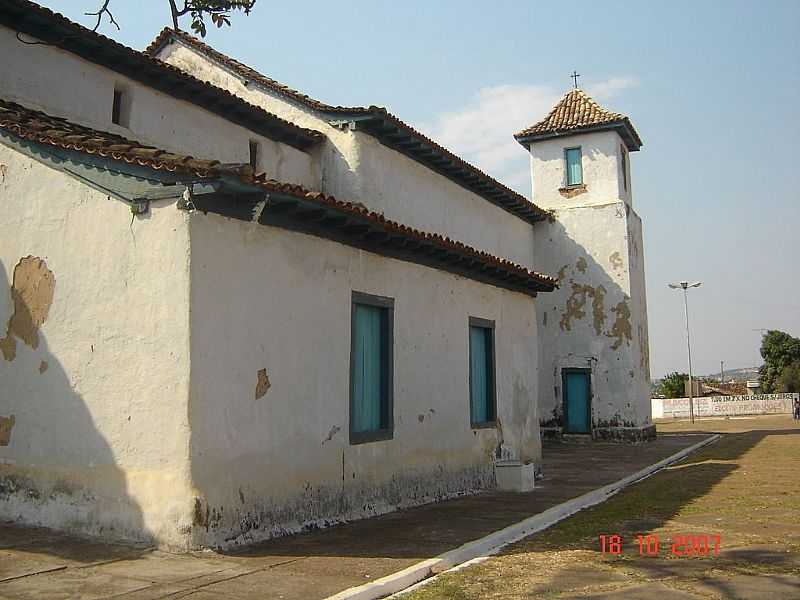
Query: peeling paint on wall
point(6, 425)
point(616, 261)
point(562, 273)
point(32, 291)
point(576, 303)
point(500, 439)
point(334, 430)
point(621, 330)
point(644, 350)
point(598, 309)
point(263, 384)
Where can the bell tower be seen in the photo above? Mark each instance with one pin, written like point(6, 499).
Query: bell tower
point(594, 364)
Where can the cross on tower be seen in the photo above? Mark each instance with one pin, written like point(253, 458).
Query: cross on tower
point(574, 78)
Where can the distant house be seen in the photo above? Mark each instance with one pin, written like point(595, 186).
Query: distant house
point(232, 311)
point(715, 388)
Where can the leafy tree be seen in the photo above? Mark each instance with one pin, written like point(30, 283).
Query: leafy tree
point(673, 385)
point(218, 10)
point(779, 350)
point(789, 380)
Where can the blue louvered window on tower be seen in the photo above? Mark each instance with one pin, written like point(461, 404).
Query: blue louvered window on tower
point(574, 167)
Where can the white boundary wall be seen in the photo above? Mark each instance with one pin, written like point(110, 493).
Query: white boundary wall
point(714, 406)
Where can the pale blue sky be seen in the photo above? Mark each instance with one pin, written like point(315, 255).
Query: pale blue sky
point(712, 87)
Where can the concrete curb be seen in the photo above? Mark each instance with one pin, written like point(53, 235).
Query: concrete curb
point(494, 542)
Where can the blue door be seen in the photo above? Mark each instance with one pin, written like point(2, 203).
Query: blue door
point(577, 395)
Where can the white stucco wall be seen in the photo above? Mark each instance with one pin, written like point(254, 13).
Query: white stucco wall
point(62, 84)
point(598, 317)
point(355, 167)
point(100, 437)
point(266, 298)
point(602, 171)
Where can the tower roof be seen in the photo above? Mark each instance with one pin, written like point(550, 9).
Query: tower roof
point(579, 113)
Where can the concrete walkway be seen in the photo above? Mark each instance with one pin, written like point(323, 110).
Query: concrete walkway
point(42, 564)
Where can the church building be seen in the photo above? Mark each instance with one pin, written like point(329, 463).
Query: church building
point(229, 311)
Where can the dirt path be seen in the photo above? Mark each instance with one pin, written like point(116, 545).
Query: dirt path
point(744, 489)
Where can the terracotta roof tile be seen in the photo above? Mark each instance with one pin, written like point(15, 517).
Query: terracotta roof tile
point(39, 127)
point(242, 69)
point(392, 226)
point(578, 112)
point(55, 29)
point(36, 126)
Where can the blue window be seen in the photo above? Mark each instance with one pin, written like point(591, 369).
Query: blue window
point(371, 368)
point(482, 408)
point(574, 166)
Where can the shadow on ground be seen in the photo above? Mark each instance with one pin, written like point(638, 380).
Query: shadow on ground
point(743, 488)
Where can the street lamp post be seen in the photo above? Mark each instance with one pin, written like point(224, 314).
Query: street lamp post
point(685, 285)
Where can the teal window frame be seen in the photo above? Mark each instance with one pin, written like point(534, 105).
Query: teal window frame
point(489, 419)
point(567, 170)
point(385, 429)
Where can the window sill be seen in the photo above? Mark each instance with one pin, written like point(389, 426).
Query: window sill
point(571, 191)
point(484, 425)
point(365, 437)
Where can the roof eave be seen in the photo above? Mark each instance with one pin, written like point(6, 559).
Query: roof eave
point(398, 136)
point(624, 128)
point(370, 232)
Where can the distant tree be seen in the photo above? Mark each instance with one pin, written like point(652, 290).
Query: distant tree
point(218, 10)
point(673, 385)
point(779, 350)
point(789, 379)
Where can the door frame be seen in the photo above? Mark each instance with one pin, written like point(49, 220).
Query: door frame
point(564, 372)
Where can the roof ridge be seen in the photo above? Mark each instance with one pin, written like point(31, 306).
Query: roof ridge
point(249, 72)
point(245, 70)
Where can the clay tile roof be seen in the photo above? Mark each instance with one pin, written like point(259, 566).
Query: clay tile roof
point(53, 28)
point(528, 279)
point(380, 123)
point(577, 112)
point(39, 127)
point(36, 126)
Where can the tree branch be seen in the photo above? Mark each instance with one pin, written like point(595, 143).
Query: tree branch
point(174, 11)
point(99, 15)
point(186, 8)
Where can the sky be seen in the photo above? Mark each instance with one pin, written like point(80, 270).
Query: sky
point(711, 86)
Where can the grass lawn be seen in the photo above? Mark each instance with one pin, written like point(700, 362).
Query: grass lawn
point(745, 489)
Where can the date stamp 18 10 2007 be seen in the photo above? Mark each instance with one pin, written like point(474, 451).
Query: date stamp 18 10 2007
point(684, 546)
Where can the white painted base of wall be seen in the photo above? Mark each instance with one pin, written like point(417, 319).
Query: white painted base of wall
point(514, 476)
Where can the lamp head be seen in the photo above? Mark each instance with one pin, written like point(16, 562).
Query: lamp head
point(683, 285)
